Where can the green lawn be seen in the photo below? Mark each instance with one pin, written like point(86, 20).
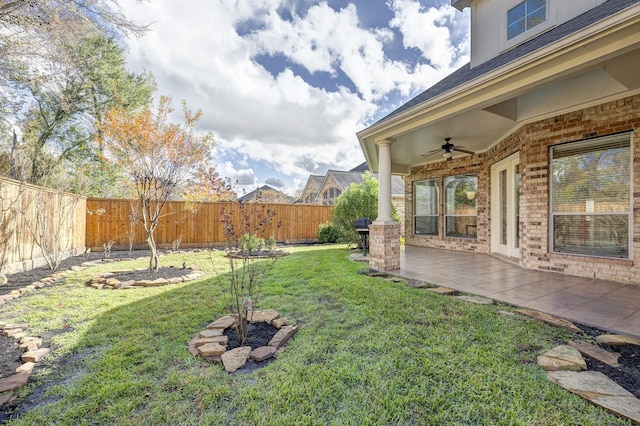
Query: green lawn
point(368, 351)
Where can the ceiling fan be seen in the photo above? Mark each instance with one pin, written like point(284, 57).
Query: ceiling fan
point(448, 148)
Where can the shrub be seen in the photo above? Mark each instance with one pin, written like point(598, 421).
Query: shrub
point(358, 200)
point(329, 233)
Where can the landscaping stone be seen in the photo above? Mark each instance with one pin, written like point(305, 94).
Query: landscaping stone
point(562, 357)
point(236, 358)
point(596, 352)
point(15, 381)
point(3, 279)
point(262, 353)
point(199, 341)
point(211, 333)
point(478, 300)
point(284, 334)
point(267, 315)
point(550, 319)
point(34, 356)
point(280, 322)
point(212, 349)
point(417, 284)
point(617, 340)
point(223, 322)
point(27, 366)
point(5, 398)
point(395, 279)
point(600, 390)
point(443, 290)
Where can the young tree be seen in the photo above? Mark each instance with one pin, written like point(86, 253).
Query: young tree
point(156, 155)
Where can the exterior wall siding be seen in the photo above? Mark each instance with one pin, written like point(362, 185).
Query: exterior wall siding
point(533, 141)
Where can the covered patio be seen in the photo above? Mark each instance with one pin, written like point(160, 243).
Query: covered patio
point(604, 304)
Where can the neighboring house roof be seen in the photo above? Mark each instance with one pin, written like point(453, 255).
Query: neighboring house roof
point(257, 193)
point(466, 73)
point(360, 168)
point(316, 180)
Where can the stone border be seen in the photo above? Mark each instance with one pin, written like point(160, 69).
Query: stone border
point(33, 354)
point(211, 344)
point(104, 280)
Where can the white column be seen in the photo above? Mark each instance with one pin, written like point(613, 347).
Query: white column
point(384, 181)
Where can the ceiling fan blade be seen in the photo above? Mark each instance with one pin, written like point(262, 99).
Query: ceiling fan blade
point(430, 153)
point(463, 150)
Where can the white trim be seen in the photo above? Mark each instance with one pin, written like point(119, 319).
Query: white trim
point(511, 249)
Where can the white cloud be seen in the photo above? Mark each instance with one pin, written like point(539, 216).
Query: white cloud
point(429, 30)
point(197, 54)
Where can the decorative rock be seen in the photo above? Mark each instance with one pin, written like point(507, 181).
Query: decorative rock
point(27, 366)
point(199, 341)
point(550, 319)
point(3, 279)
point(97, 286)
point(14, 382)
point(25, 342)
point(211, 333)
point(283, 335)
point(600, 390)
point(211, 349)
point(34, 356)
point(5, 398)
point(280, 322)
point(15, 294)
point(478, 300)
point(112, 281)
point(193, 350)
point(417, 284)
point(562, 357)
point(263, 352)
point(236, 358)
point(442, 290)
point(395, 279)
point(175, 280)
point(267, 315)
point(596, 352)
point(223, 322)
point(617, 340)
point(14, 326)
point(193, 276)
point(506, 313)
point(77, 268)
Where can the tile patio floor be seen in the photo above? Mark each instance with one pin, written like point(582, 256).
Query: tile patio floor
point(607, 305)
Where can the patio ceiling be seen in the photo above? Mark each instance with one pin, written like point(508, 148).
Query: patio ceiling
point(595, 65)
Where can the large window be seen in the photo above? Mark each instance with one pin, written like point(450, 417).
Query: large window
point(461, 217)
point(525, 16)
point(425, 207)
point(591, 197)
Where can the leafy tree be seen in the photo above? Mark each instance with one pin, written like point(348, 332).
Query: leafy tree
point(358, 200)
point(206, 185)
point(63, 126)
point(156, 155)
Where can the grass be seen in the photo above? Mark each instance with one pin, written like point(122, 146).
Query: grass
point(368, 352)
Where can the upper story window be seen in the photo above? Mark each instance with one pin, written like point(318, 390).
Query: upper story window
point(525, 16)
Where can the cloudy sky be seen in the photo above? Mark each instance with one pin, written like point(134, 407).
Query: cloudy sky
point(284, 85)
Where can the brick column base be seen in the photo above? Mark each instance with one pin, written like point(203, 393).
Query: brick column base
point(384, 246)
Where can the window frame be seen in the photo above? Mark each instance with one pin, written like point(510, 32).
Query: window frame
point(448, 215)
point(525, 18)
point(437, 206)
point(583, 146)
point(508, 43)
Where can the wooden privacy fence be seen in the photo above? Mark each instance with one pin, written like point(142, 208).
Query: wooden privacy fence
point(38, 226)
point(116, 220)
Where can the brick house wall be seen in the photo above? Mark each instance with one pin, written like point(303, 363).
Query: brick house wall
point(533, 141)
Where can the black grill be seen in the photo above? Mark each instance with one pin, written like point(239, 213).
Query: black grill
point(362, 228)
